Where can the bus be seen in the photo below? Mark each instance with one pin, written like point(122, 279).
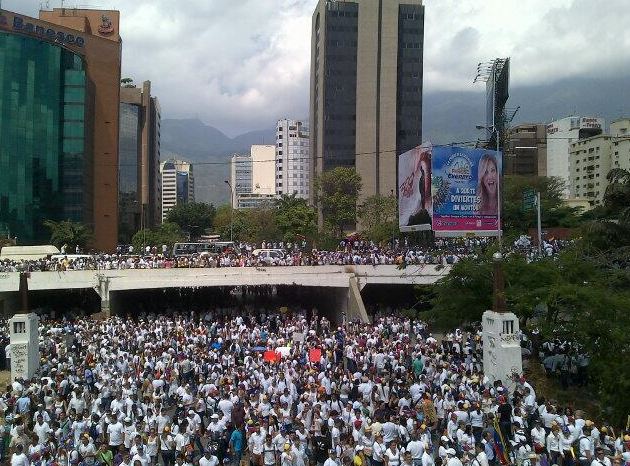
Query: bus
point(217, 247)
point(189, 249)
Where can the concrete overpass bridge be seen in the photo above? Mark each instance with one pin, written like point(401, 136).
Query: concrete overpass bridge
point(343, 284)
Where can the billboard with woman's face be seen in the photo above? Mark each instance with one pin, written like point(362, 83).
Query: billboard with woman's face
point(414, 189)
point(465, 191)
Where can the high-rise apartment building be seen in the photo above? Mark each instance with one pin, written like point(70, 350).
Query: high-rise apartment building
point(138, 161)
point(560, 135)
point(366, 87)
point(591, 159)
point(526, 150)
point(293, 173)
point(178, 184)
point(59, 106)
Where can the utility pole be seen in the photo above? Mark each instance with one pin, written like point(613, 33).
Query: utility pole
point(539, 227)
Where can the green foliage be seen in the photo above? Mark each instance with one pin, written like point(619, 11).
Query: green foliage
point(617, 195)
point(377, 216)
point(295, 219)
point(193, 217)
point(337, 191)
point(69, 233)
point(577, 295)
point(554, 212)
point(167, 233)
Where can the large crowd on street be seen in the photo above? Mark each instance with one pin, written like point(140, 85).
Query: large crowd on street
point(263, 388)
point(349, 252)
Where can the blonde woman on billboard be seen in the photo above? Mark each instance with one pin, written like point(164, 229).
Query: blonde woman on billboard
point(488, 186)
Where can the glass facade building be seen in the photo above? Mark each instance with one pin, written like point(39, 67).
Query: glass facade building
point(128, 187)
point(45, 160)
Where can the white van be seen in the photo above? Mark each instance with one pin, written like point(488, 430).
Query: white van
point(268, 256)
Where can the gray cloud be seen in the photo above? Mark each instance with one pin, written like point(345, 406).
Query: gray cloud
point(241, 64)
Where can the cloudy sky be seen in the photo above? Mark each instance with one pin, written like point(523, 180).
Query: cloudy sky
point(239, 65)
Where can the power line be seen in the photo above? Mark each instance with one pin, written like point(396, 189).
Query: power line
point(357, 154)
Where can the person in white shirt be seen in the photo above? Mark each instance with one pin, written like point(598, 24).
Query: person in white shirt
point(416, 448)
point(393, 454)
point(378, 450)
point(41, 428)
point(452, 459)
point(19, 458)
point(600, 458)
point(115, 434)
point(481, 459)
point(141, 456)
point(208, 459)
point(585, 447)
point(332, 459)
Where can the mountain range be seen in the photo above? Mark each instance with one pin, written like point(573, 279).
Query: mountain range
point(447, 117)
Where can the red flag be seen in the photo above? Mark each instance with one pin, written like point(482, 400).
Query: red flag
point(314, 355)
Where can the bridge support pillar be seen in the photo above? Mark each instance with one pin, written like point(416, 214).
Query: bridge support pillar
point(356, 307)
point(102, 289)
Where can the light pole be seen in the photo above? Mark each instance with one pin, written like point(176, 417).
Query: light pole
point(231, 210)
point(393, 224)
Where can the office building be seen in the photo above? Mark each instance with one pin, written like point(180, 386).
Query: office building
point(178, 184)
point(366, 88)
point(252, 177)
point(526, 151)
point(591, 159)
point(263, 169)
point(255, 201)
point(139, 203)
point(240, 177)
point(293, 172)
point(560, 135)
point(59, 96)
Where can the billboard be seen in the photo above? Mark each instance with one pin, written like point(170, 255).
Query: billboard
point(465, 187)
point(414, 189)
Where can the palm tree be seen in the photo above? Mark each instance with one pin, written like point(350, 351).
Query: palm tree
point(69, 233)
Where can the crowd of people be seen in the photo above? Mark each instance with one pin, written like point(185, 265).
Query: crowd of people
point(349, 252)
point(282, 389)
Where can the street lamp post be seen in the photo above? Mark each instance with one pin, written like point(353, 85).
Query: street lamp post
point(231, 210)
point(393, 225)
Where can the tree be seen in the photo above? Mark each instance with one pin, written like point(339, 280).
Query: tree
point(193, 217)
point(166, 233)
point(554, 212)
point(127, 82)
point(377, 216)
point(617, 195)
point(222, 218)
point(295, 219)
point(69, 233)
point(337, 191)
point(577, 295)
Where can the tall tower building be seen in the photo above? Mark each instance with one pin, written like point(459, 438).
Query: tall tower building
point(366, 87)
point(178, 184)
point(59, 105)
point(293, 162)
point(138, 162)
